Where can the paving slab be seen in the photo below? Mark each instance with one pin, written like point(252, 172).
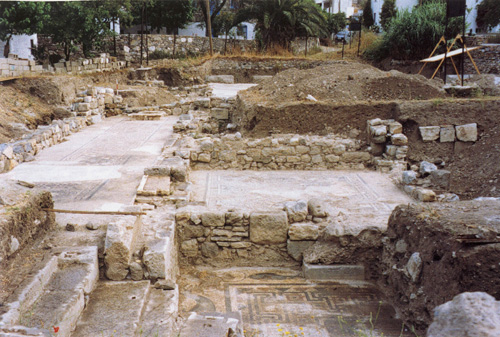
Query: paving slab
point(364, 197)
point(99, 168)
point(114, 309)
point(223, 90)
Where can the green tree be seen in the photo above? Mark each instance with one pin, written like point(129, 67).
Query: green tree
point(388, 12)
point(17, 17)
point(215, 7)
point(413, 35)
point(278, 22)
point(335, 22)
point(171, 15)
point(488, 14)
point(223, 23)
point(368, 14)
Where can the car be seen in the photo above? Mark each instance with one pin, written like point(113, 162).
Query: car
point(343, 36)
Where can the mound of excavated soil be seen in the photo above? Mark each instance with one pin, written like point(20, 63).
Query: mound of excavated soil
point(343, 82)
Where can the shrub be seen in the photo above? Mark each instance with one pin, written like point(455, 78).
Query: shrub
point(413, 35)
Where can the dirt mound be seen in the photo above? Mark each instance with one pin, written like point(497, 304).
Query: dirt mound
point(343, 82)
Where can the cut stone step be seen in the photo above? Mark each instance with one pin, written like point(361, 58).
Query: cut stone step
point(154, 186)
point(333, 272)
point(57, 302)
point(114, 309)
point(213, 325)
point(147, 115)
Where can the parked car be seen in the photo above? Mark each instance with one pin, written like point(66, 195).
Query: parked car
point(343, 36)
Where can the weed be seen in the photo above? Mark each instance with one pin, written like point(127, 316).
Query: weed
point(437, 102)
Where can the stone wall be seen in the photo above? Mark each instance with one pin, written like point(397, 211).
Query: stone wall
point(13, 67)
point(88, 108)
point(487, 59)
point(212, 234)
point(279, 152)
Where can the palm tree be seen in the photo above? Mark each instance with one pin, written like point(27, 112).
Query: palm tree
point(280, 21)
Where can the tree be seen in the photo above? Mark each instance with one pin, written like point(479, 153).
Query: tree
point(388, 12)
point(223, 22)
point(172, 15)
point(335, 22)
point(18, 17)
point(368, 14)
point(215, 7)
point(488, 14)
point(413, 35)
point(278, 22)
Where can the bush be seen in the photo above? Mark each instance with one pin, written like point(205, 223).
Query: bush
point(413, 35)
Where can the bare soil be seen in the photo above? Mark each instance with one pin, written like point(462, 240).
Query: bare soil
point(343, 82)
point(449, 266)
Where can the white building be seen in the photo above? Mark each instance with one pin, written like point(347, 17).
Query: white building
point(470, 17)
point(337, 6)
point(198, 29)
point(21, 45)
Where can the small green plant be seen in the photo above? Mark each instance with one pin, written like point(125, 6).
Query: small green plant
point(437, 102)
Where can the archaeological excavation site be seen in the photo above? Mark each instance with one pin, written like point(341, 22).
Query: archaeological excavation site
point(240, 196)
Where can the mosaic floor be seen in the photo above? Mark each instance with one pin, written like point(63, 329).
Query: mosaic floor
point(278, 302)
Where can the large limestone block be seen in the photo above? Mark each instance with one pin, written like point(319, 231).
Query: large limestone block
point(467, 132)
point(119, 245)
point(303, 231)
point(159, 256)
point(399, 139)
point(474, 314)
point(447, 134)
point(296, 248)
point(429, 133)
point(213, 219)
point(268, 228)
point(356, 157)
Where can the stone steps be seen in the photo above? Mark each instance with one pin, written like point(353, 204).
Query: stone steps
point(213, 325)
point(114, 309)
point(54, 298)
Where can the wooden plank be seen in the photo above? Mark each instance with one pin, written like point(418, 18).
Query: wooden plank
point(450, 54)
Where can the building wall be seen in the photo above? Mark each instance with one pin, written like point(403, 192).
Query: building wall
point(20, 45)
point(337, 6)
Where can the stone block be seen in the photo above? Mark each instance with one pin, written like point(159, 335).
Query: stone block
point(447, 134)
point(190, 248)
point(378, 131)
point(268, 228)
point(390, 150)
point(209, 249)
point(441, 178)
point(329, 272)
point(204, 157)
point(331, 158)
point(395, 127)
point(296, 210)
point(317, 208)
point(414, 266)
point(399, 139)
point(213, 219)
point(228, 79)
point(377, 149)
point(425, 195)
point(118, 247)
point(429, 133)
point(234, 218)
point(356, 157)
point(303, 231)
point(219, 113)
point(426, 168)
point(467, 132)
point(296, 248)
point(7, 151)
point(241, 245)
point(409, 177)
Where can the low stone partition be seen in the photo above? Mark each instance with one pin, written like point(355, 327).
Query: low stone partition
point(434, 252)
point(279, 152)
point(449, 133)
point(233, 233)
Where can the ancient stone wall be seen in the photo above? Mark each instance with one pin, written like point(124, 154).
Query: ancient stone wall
point(487, 59)
point(279, 152)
